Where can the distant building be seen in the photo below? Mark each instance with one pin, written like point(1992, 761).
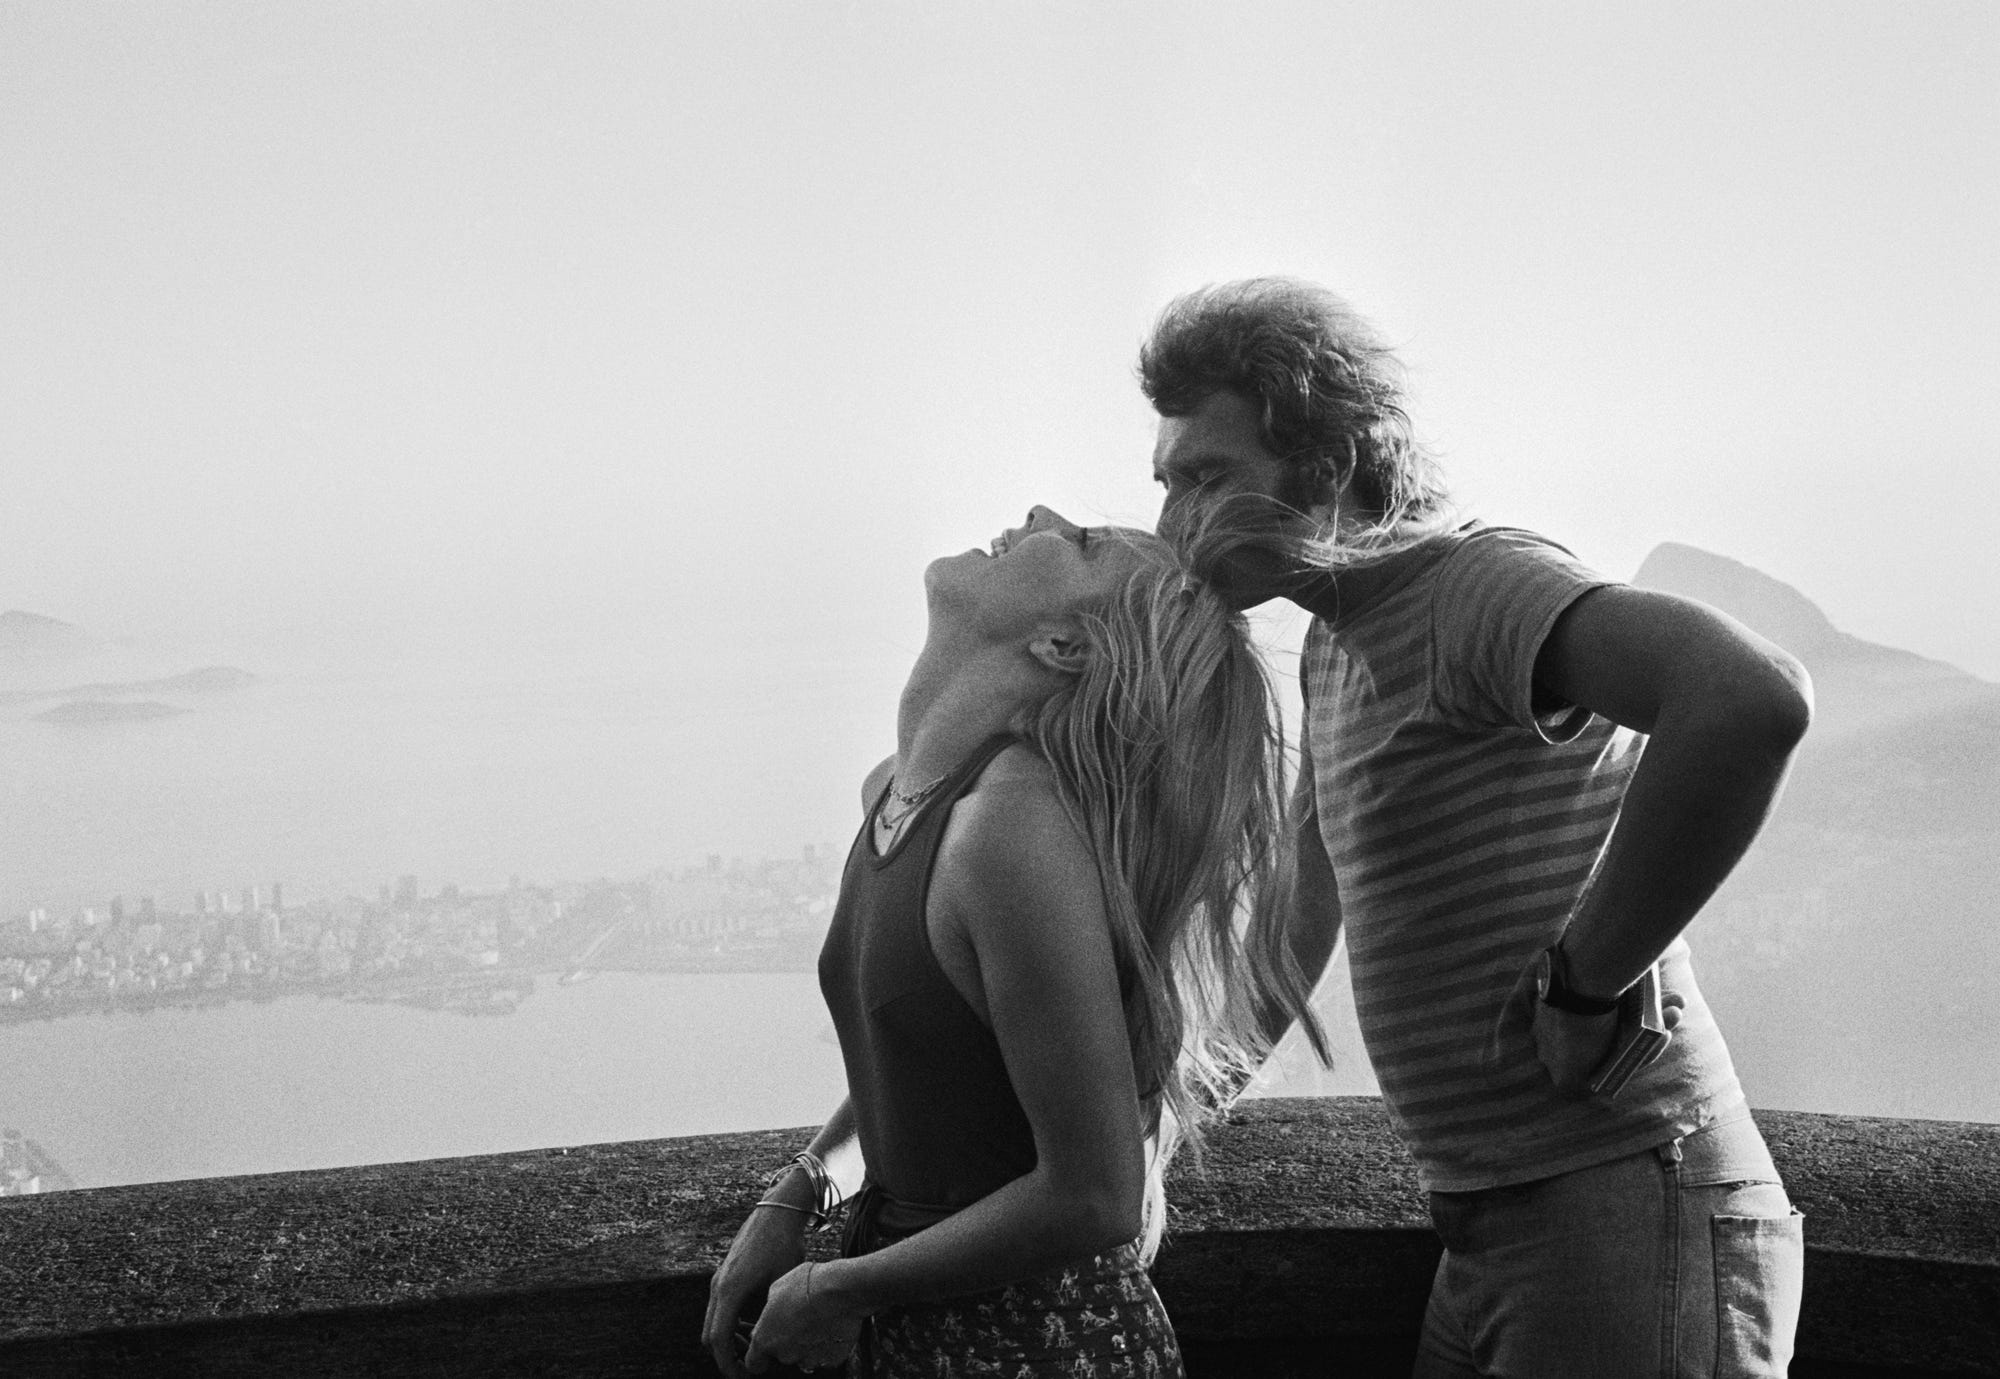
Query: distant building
point(26, 1168)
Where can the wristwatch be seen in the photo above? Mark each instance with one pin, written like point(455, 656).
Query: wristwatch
point(1553, 989)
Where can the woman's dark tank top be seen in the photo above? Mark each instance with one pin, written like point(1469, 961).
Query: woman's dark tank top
point(940, 1125)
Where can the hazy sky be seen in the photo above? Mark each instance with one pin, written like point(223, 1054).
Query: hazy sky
point(706, 325)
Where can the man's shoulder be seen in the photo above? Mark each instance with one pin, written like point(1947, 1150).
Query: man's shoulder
point(1473, 552)
point(1495, 576)
point(1484, 544)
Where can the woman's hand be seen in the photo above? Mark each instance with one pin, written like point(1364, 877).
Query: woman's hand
point(771, 1244)
point(803, 1326)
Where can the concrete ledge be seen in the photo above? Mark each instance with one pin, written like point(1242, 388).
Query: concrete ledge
point(1304, 1247)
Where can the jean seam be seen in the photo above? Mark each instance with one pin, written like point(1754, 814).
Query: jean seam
point(1670, 1265)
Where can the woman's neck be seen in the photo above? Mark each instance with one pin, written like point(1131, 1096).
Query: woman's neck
point(951, 704)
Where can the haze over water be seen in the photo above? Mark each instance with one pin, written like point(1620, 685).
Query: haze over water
point(337, 783)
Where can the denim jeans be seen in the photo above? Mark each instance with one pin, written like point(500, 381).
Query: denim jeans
point(1680, 1261)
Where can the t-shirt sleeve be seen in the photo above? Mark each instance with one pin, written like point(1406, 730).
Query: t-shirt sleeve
point(1497, 597)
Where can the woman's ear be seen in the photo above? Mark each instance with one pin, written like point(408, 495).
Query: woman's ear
point(1065, 649)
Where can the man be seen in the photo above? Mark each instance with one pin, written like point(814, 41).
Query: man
point(1505, 859)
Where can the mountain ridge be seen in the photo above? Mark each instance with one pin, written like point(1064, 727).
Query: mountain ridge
point(1858, 684)
point(1847, 955)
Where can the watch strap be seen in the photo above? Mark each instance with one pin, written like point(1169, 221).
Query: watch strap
point(1557, 992)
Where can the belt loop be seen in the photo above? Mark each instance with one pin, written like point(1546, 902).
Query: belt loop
point(1670, 1153)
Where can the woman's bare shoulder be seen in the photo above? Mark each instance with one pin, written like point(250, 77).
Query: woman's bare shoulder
point(1018, 764)
point(1012, 841)
point(1015, 794)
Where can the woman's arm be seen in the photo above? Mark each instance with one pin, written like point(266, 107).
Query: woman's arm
point(771, 1242)
point(1017, 883)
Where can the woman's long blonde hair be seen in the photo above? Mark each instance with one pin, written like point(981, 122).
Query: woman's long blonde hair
point(1169, 755)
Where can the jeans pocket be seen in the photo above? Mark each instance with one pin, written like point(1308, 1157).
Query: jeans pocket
point(1759, 1277)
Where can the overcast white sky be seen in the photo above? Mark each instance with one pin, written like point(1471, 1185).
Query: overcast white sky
point(379, 322)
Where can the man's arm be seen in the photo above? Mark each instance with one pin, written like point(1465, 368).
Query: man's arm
point(1724, 710)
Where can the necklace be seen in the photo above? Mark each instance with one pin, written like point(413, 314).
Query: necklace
point(906, 802)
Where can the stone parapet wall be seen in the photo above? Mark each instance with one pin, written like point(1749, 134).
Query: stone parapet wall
point(1301, 1247)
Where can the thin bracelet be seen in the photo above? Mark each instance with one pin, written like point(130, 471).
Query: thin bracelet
point(811, 1216)
point(826, 1197)
point(825, 1192)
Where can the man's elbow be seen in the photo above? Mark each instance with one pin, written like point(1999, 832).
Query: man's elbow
point(1773, 705)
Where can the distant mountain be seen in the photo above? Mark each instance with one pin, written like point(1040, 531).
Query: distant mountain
point(31, 634)
point(1859, 684)
point(1770, 607)
point(1849, 955)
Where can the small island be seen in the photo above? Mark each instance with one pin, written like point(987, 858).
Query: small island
point(108, 711)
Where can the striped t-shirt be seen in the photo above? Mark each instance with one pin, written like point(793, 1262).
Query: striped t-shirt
point(1462, 825)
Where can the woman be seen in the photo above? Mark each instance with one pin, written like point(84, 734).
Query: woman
point(1054, 949)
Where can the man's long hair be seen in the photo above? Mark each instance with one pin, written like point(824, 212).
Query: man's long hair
point(1330, 400)
point(1169, 755)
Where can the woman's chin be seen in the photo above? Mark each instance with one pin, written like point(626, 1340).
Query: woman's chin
point(945, 566)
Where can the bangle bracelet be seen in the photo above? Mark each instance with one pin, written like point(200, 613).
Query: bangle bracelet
point(812, 1217)
point(826, 1197)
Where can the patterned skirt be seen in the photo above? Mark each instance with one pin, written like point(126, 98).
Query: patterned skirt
point(1097, 1319)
